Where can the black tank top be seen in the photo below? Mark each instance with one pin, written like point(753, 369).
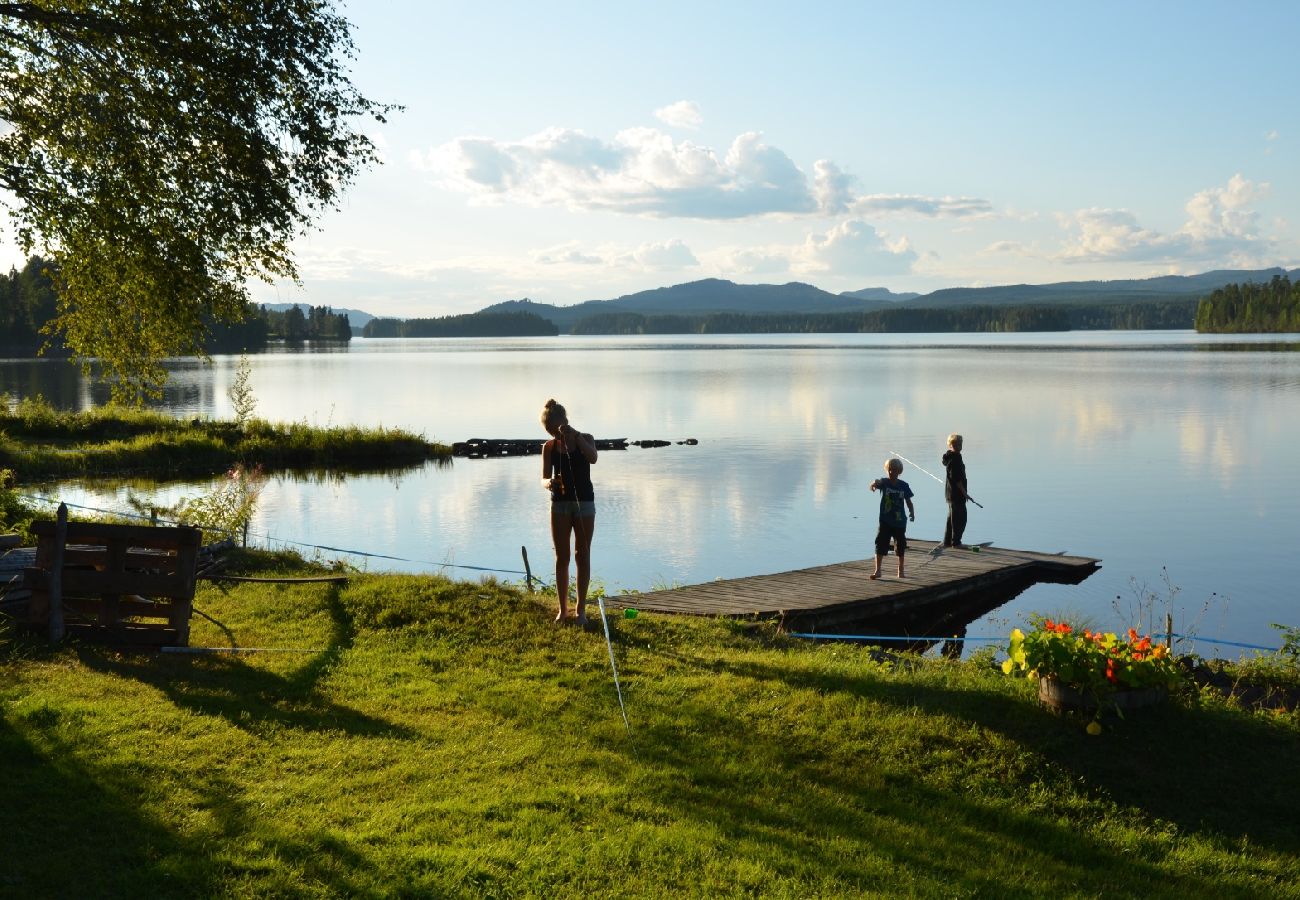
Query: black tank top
point(575, 471)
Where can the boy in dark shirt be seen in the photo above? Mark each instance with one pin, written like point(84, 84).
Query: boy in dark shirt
point(954, 491)
point(894, 495)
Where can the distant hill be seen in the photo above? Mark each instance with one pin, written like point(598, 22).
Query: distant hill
point(712, 295)
point(881, 294)
point(1163, 288)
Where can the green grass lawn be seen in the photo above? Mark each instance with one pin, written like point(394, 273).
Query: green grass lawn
point(447, 739)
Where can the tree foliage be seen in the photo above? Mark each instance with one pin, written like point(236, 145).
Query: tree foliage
point(165, 152)
point(1251, 307)
point(508, 324)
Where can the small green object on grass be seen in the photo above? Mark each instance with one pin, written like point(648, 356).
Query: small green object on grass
point(629, 613)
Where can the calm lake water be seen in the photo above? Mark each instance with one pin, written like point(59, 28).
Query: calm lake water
point(1157, 452)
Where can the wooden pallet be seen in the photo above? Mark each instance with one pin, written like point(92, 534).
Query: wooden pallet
point(130, 584)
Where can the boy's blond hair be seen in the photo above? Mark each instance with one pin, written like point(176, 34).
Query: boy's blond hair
point(954, 440)
point(894, 466)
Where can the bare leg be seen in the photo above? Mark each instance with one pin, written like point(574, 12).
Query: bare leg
point(900, 565)
point(560, 526)
point(584, 527)
point(876, 574)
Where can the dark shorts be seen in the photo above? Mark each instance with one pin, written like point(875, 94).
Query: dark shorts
point(584, 509)
point(883, 536)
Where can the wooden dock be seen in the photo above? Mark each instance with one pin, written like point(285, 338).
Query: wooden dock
point(936, 577)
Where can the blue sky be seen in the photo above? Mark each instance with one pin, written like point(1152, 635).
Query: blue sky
point(574, 151)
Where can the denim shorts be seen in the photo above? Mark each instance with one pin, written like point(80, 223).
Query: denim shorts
point(584, 509)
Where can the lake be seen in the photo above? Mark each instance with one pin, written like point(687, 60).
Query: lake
point(1170, 456)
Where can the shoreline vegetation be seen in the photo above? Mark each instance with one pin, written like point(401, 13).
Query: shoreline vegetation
point(430, 737)
point(40, 443)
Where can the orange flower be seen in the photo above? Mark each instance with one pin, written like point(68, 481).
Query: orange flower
point(1132, 634)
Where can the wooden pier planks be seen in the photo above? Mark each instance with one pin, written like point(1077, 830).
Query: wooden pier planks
point(933, 574)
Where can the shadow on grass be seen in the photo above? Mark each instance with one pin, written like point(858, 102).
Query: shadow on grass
point(1199, 768)
point(247, 696)
point(72, 828)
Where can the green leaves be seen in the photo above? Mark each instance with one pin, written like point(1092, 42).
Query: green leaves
point(166, 152)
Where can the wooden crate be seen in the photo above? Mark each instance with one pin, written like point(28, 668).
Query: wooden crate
point(122, 583)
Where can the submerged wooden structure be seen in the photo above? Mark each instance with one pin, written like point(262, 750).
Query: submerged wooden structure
point(824, 597)
point(492, 448)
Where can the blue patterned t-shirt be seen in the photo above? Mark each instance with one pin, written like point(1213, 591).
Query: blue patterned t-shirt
point(893, 509)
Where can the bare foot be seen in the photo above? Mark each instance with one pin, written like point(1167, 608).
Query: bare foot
point(874, 575)
point(562, 617)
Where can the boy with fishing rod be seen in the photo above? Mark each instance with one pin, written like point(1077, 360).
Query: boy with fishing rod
point(954, 491)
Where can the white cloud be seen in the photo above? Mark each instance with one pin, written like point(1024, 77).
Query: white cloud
point(1014, 247)
point(935, 207)
point(1221, 228)
point(567, 254)
point(645, 171)
point(751, 261)
point(1271, 135)
point(831, 187)
point(854, 248)
point(682, 114)
point(664, 256)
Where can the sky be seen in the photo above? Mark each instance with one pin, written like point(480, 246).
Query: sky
point(568, 151)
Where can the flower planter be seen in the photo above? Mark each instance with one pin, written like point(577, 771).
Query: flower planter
point(1059, 696)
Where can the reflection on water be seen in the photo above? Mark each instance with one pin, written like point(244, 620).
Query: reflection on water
point(1146, 450)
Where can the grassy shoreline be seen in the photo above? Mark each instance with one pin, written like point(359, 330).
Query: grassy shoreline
point(444, 738)
point(39, 443)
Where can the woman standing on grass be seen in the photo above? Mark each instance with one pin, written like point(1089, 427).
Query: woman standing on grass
point(566, 471)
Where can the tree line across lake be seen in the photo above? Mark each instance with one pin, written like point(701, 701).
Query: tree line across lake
point(1251, 308)
point(1154, 315)
point(28, 302)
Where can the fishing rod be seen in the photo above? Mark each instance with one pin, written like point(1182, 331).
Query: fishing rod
point(931, 474)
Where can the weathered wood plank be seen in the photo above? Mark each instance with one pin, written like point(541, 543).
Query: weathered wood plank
point(934, 575)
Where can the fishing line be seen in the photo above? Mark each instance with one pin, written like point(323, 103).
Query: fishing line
point(931, 474)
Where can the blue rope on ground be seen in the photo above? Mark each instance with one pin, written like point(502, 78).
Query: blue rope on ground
point(883, 637)
point(808, 635)
point(267, 537)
